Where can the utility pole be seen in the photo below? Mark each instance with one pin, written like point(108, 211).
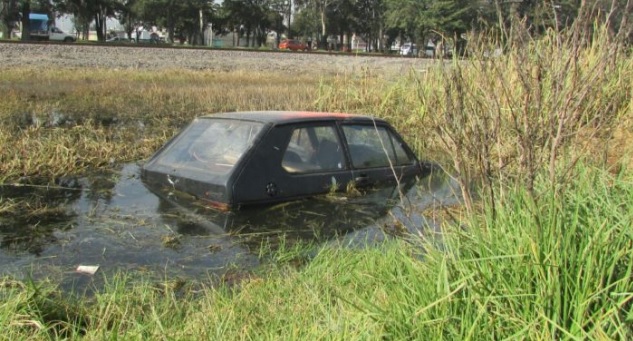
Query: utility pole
point(202, 28)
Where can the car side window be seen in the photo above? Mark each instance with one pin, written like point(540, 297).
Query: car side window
point(372, 146)
point(313, 149)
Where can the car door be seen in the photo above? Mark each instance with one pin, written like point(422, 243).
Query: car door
point(55, 34)
point(314, 160)
point(378, 155)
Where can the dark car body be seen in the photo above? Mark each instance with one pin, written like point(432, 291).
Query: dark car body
point(230, 160)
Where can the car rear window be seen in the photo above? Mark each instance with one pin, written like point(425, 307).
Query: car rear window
point(209, 146)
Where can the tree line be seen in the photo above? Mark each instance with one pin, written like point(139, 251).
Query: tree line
point(377, 22)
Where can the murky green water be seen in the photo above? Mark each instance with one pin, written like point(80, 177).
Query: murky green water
point(115, 222)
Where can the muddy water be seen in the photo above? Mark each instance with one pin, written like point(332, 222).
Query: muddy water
point(113, 221)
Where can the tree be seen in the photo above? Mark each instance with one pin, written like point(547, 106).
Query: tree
point(21, 10)
point(192, 17)
point(25, 7)
point(252, 18)
point(442, 19)
point(9, 15)
point(368, 22)
point(86, 11)
point(304, 23)
point(127, 16)
point(156, 12)
point(408, 17)
point(539, 16)
point(279, 9)
point(320, 7)
point(452, 17)
point(189, 17)
point(340, 17)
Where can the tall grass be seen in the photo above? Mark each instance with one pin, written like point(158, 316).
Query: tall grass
point(545, 102)
point(557, 268)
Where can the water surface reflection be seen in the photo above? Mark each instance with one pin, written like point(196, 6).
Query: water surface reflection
point(114, 221)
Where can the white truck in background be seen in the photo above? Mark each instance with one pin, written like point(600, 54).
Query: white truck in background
point(53, 34)
point(145, 36)
point(40, 30)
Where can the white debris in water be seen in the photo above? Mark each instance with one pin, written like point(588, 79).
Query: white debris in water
point(87, 269)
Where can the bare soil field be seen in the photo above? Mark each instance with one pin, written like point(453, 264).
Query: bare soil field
point(153, 58)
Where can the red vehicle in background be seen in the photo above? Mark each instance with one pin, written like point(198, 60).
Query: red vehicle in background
point(293, 45)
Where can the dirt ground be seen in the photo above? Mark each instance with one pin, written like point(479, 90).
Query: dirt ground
point(152, 58)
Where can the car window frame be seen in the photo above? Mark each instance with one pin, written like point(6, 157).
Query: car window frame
point(344, 162)
point(394, 138)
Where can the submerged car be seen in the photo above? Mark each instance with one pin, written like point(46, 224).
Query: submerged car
point(232, 160)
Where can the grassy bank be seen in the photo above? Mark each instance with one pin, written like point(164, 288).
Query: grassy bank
point(556, 269)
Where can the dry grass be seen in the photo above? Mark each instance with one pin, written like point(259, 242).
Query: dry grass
point(546, 103)
point(65, 122)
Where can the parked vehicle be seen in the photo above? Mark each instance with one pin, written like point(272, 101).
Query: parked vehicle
point(53, 34)
point(293, 45)
point(409, 49)
point(147, 37)
point(395, 47)
point(118, 40)
point(429, 49)
point(231, 160)
point(40, 30)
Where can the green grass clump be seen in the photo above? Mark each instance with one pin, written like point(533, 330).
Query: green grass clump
point(555, 268)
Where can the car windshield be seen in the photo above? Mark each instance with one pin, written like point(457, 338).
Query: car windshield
point(209, 147)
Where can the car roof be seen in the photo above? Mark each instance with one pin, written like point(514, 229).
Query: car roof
point(285, 117)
